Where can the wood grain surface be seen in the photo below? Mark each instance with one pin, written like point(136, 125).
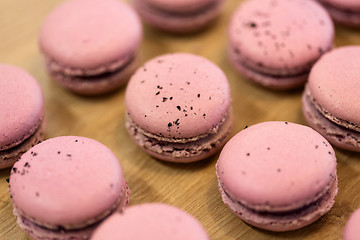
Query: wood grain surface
point(192, 187)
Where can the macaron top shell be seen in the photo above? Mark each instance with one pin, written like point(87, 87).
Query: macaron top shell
point(344, 4)
point(281, 34)
point(86, 34)
point(276, 166)
point(178, 96)
point(351, 230)
point(181, 5)
point(334, 83)
point(66, 181)
point(21, 105)
point(151, 221)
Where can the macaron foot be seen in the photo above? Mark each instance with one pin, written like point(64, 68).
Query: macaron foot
point(10, 156)
point(179, 22)
point(337, 135)
point(274, 82)
point(287, 220)
point(183, 150)
point(102, 83)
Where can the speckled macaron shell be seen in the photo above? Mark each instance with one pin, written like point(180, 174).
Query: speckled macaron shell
point(90, 35)
point(66, 181)
point(178, 96)
point(334, 83)
point(276, 166)
point(21, 106)
point(181, 5)
point(279, 37)
point(351, 230)
point(151, 221)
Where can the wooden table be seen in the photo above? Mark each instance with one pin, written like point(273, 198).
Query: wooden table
point(192, 187)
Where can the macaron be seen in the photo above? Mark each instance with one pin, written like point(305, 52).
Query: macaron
point(178, 107)
point(65, 186)
point(91, 46)
point(21, 113)
point(179, 16)
point(152, 221)
point(274, 43)
point(278, 176)
point(345, 12)
point(351, 230)
point(330, 101)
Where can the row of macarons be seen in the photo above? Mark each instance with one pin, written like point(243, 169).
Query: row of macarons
point(172, 116)
point(273, 43)
point(73, 187)
point(94, 57)
point(179, 106)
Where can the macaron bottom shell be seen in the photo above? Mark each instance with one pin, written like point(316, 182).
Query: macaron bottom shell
point(337, 135)
point(350, 18)
point(10, 156)
point(184, 152)
point(283, 221)
point(39, 232)
point(98, 84)
point(178, 22)
point(266, 80)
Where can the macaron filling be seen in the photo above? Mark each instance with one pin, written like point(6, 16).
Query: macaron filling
point(95, 74)
point(15, 151)
point(158, 10)
point(348, 16)
point(102, 82)
point(24, 137)
point(261, 68)
point(181, 147)
point(278, 76)
point(290, 216)
point(82, 230)
point(340, 130)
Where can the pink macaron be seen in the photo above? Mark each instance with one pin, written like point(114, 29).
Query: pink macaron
point(91, 46)
point(152, 221)
point(351, 230)
point(274, 43)
point(179, 16)
point(345, 12)
point(64, 187)
point(21, 113)
point(179, 107)
point(330, 101)
point(278, 176)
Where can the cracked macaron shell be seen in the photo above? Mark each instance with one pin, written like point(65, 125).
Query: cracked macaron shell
point(21, 106)
point(178, 96)
point(89, 34)
point(276, 166)
point(334, 83)
point(280, 36)
point(151, 221)
point(66, 181)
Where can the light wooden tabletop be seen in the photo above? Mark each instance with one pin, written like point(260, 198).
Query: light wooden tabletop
point(192, 187)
